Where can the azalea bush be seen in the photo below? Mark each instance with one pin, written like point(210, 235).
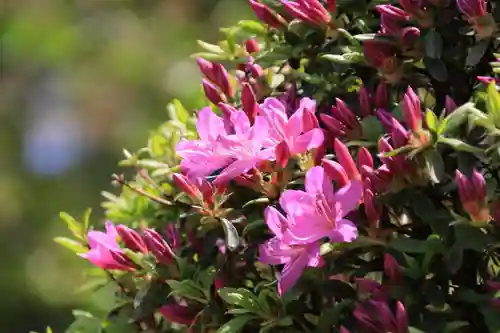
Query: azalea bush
point(341, 177)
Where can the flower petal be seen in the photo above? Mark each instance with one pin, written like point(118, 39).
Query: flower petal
point(275, 252)
point(307, 141)
point(345, 232)
point(235, 169)
point(318, 183)
point(295, 203)
point(291, 273)
point(209, 125)
point(347, 198)
point(276, 222)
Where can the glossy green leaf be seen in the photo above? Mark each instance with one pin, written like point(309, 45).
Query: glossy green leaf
point(435, 165)
point(235, 325)
point(73, 225)
point(71, 244)
point(432, 120)
point(433, 43)
point(408, 245)
point(437, 69)
point(493, 103)
point(232, 236)
point(460, 145)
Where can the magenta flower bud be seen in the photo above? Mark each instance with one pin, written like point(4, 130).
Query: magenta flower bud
point(173, 236)
point(496, 212)
point(222, 79)
point(487, 79)
point(365, 158)
point(472, 193)
point(401, 318)
point(412, 113)
point(371, 210)
point(399, 135)
point(252, 46)
point(310, 11)
point(344, 113)
point(344, 330)
point(176, 313)
point(206, 68)
point(333, 125)
point(386, 119)
point(249, 102)
point(365, 102)
point(472, 8)
point(449, 105)
point(392, 269)
point(331, 6)
point(365, 285)
point(185, 185)
point(492, 286)
point(282, 154)
point(393, 12)
point(158, 246)
point(212, 93)
point(131, 239)
point(336, 172)
point(266, 15)
point(381, 96)
point(345, 159)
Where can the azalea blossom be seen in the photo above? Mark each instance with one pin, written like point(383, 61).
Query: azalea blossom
point(295, 257)
point(235, 150)
point(319, 212)
point(299, 133)
point(105, 252)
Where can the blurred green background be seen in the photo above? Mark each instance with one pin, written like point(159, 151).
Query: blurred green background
point(79, 81)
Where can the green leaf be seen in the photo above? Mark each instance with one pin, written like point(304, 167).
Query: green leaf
point(177, 111)
point(436, 68)
point(454, 119)
point(459, 145)
point(84, 323)
point(435, 165)
point(432, 120)
point(493, 103)
point(212, 48)
point(71, 244)
point(86, 220)
point(491, 319)
point(240, 297)
point(253, 27)
point(414, 330)
point(470, 238)
point(73, 225)
point(433, 44)
point(188, 289)
point(454, 258)
point(235, 325)
point(476, 52)
point(232, 237)
point(210, 56)
point(372, 128)
point(408, 245)
point(454, 325)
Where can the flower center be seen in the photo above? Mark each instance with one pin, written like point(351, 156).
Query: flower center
point(323, 209)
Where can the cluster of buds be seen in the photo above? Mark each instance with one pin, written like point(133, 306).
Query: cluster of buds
point(376, 316)
point(368, 104)
point(216, 83)
point(267, 15)
point(342, 121)
point(207, 197)
point(384, 57)
point(310, 11)
point(346, 170)
point(412, 114)
point(476, 14)
point(253, 77)
point(472, 193)
point(106, 253)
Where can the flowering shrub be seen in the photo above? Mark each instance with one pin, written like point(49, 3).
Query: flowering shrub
point(342, 177)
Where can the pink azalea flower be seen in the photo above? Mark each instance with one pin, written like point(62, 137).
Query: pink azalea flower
point(104, 250)
point(297, 132)
point(319, 211)
point(295, 257)
point(237, 151)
